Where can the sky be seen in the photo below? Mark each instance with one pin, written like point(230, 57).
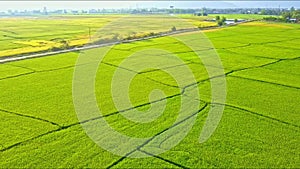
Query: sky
point(84, 5)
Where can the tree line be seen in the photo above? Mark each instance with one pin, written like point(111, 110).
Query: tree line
point(292, 15)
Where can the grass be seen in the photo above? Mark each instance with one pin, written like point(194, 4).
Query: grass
point(259, 127)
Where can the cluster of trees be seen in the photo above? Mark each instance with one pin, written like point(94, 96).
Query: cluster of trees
point(270, 12)
point(273, 19)
point(135, 35)
point(63, 44)
point(200, 14)
point(205, 11)
point(220, 21)
point(291, 15)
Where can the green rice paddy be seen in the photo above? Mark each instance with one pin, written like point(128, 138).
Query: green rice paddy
point(259, 127)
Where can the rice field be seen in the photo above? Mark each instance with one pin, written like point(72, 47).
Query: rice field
point(42, 34)
point(259, 127)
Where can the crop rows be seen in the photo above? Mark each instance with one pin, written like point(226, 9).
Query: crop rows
point(259, 127)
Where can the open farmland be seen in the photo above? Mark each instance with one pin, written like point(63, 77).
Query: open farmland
point(44, 34)
point(259, 128)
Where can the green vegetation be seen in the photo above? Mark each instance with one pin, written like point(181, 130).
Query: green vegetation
point(31, 35)
point(291, 16)
point(259, 128)
point(229, 16)
point(19, 35)
point(220, 21)
point(293, 13)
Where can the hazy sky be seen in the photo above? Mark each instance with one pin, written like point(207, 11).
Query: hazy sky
point(51, 5)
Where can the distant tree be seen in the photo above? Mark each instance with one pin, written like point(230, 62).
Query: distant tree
point(220, 23)
point(292, 9)
point(203, 11)
point(173, 28)
point(177, 11)
point(65, 44)
point(223, 19)
point(151, 34)
point(235, 20)
point(263, 12)
point(296, 14)
point(286, 15)
point(271, 18)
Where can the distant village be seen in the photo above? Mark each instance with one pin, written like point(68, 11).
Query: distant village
point(171, 10)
